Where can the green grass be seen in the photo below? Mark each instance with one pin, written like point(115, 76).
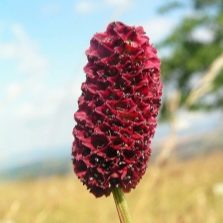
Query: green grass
point(181, 192)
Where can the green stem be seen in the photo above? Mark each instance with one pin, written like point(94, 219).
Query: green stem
point(121, 205)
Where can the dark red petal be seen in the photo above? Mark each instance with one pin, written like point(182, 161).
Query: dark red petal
point(116, 118)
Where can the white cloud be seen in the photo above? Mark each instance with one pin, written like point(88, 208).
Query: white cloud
point(31, 111)
point(42, 114)
point(51, 8)
point(29, 58)
point(159, 27)
point(24, 86)
point(89, 6)
point(7, 50)
point(186, 120)
point(119, 3)
point(84, 7)
point(119, 6)
point(24, 51)
point(13, 90)
point(44, 120)
point(203, 35)
point(182, 124)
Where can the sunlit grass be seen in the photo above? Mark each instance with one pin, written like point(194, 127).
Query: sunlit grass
point(182, 192)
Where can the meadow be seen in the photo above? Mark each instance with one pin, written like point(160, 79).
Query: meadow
point(188, 191)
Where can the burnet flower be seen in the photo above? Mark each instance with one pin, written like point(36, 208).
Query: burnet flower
point(117, 111)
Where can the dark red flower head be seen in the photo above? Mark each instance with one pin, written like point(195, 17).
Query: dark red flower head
point(116, 118)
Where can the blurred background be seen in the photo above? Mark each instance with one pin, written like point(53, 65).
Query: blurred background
point(42, 54)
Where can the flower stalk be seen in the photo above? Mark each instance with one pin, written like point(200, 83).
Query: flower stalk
point(121, 205)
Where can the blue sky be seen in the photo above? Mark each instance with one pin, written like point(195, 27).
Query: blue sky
point(42, 52)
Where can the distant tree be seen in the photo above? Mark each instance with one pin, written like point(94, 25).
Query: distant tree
point(193, 69)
